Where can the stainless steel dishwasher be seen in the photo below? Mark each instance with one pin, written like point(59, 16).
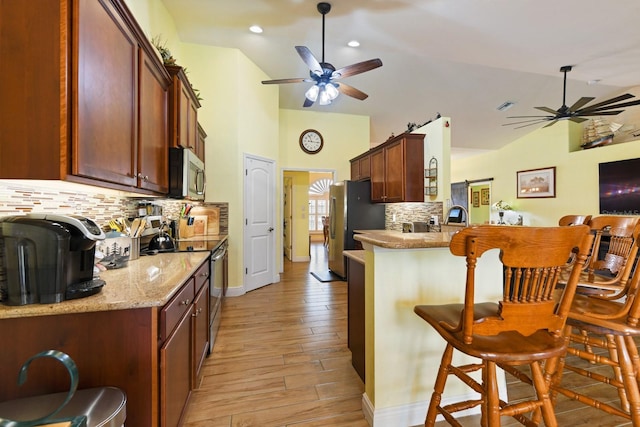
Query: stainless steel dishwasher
point(218, 289)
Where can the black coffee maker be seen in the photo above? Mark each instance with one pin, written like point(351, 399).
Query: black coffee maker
point(47, 258)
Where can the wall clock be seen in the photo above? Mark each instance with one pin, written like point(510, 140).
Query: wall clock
point(311, 141)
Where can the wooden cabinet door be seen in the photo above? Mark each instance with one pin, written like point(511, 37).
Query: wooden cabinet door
point(200, 141)
point(355, 318)
point(105, 98)
point(365, 167)
point(200, 333)
point(184, 111)
point(377, 176)
point(153, 142)
point(175, 373)
point(394, 172)
point(355, 170)
point(192, 126)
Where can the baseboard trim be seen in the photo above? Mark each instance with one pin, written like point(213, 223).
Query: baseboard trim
point(413, 414)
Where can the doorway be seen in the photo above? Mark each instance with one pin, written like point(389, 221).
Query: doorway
point(475, 196)
point(305, 202)
point(480, 206)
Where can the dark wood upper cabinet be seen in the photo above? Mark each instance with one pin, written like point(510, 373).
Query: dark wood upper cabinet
point(361, 167)
point(183, 110)
point(88, 101)
point(397, 170)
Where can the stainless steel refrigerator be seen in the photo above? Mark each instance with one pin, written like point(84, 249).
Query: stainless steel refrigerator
point(350, 209)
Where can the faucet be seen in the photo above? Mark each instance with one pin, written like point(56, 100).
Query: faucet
point(463, 209)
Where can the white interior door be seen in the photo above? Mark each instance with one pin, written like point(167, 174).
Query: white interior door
point(259, 235)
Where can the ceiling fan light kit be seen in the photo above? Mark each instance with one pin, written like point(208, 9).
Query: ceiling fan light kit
point(576, 113)
point(323, 75)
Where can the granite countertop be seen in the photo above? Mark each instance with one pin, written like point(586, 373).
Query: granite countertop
point(398, 240)
point(356, 255)
point(149, 281)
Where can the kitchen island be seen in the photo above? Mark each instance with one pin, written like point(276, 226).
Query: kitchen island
point(402, 352)
point(140, 334)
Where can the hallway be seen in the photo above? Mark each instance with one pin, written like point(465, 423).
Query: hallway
point(281, 357)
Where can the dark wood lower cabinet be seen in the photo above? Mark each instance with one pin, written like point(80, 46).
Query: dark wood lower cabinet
point(356, 321)
point(153, 354)
point(175, 373)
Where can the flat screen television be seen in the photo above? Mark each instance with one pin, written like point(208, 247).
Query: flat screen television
point(620, 187)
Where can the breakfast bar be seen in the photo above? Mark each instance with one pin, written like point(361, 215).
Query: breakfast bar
point(402, 353)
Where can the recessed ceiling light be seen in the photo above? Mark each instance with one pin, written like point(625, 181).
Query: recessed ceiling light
point(255, 29)
point(353, 43)
point(593, 82)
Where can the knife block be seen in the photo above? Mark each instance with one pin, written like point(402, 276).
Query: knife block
point(185, 230)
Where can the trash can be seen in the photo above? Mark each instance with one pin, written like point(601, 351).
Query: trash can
point(103, 406)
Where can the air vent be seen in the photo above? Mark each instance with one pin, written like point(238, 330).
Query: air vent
point(505, 105)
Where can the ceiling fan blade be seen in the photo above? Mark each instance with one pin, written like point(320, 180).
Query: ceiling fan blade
point(530, 124)
point(580, 102)
point(600, 113)
point(610, 101)
point(608, 107)
point(551, 123)
point(309, 59)
point(539, 120)
point(351, 91)
point(526, 117)
point(279, 81)
point(547, 110)
point(307, 102)
point(577, 119)
point(353, 69)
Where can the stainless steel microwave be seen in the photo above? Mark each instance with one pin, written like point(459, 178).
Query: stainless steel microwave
point(186, 175)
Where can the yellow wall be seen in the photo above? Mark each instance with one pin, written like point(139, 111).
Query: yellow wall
point(300, 215)
point(241, 116)
point(576, 172)
point(345, 136)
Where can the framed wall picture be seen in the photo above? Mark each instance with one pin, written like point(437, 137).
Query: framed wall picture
point(484, 196)
point(536, 183)
point(475, 198)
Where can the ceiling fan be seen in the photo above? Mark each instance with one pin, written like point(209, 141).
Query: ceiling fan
point(576, 113)
point(324, 76)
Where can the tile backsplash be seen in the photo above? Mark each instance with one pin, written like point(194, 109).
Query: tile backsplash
point(101, 205)
point(397, 213)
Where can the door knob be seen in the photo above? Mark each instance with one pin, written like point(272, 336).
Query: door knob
point(270, 229)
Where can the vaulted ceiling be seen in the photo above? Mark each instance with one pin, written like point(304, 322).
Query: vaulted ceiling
point(459, 58)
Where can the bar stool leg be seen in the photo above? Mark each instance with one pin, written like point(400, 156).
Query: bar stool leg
point(614, 351)
point(438, 388)
point(542, 391)
point(491, 397)
point(629, 375)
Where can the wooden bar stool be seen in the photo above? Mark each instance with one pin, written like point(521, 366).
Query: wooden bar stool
point(574, 220)
point(524, 328)
point(597, 322)
point(608, 267)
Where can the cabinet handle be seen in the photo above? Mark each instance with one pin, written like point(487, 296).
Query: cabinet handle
point(143, 177)
point(185, 302)
point(205, 274)
point(197, 313)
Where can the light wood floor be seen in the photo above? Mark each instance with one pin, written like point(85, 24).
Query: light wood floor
point(281, 357)
point(281, 360)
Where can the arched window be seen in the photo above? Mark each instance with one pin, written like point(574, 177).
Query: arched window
point(318, 202)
